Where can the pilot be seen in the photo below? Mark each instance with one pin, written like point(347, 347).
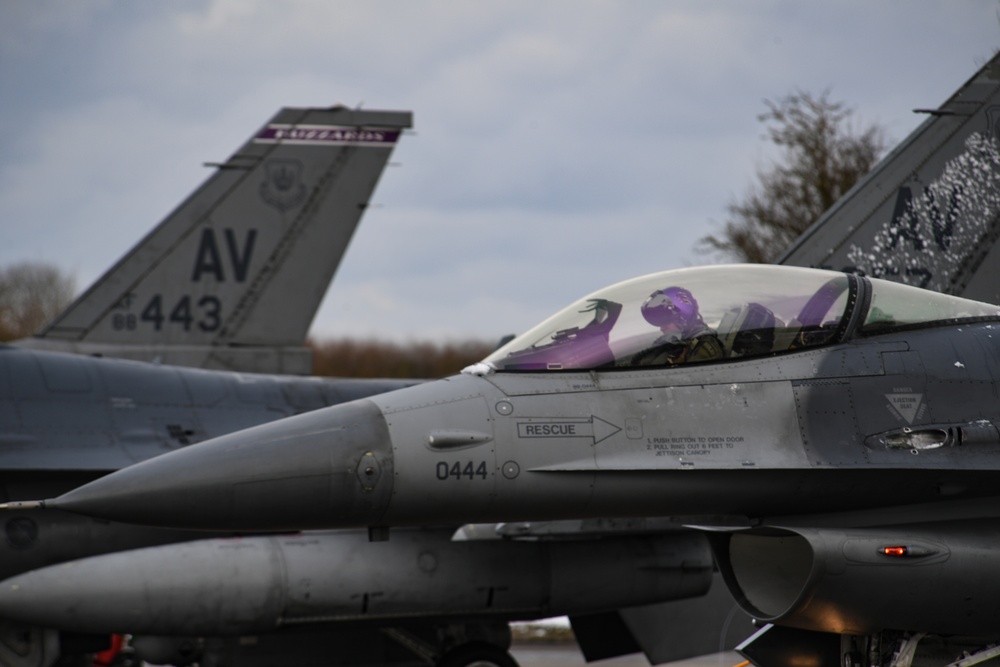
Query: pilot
point(685, 336)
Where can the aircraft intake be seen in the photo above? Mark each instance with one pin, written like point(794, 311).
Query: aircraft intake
point(936, 579)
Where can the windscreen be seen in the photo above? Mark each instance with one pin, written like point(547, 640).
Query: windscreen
point(895, 306)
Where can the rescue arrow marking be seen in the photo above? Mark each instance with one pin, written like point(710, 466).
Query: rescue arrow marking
point(594, 427)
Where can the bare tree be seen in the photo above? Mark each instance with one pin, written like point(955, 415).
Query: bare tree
point(372, 358)
point(824, 155)
point(31, 294)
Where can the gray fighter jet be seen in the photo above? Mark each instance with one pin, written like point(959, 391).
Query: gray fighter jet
point(837, 435)
point(940, 151)
point(232, 278)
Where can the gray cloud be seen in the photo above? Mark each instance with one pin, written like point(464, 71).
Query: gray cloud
point(558, 146)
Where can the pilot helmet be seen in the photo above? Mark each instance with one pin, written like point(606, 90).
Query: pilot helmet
point(673, 305)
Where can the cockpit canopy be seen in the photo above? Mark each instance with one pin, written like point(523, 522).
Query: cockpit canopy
point(714, 313)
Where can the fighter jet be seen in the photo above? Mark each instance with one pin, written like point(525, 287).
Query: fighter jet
point(840, 224)
point(232, 278)
point(838, 435)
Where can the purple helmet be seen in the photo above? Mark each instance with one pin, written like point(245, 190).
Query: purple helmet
point(673, 305)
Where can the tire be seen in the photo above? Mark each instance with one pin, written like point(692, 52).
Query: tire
point(477, 654)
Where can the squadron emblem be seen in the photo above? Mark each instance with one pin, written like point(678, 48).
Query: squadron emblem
point(283, 188)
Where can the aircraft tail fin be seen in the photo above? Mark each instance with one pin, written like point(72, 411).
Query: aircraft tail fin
point(929, 213)
point(232, 278)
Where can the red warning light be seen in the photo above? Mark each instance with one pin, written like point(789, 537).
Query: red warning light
point(895, 551)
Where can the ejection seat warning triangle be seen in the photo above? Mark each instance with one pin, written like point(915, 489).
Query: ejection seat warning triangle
point(905, 405)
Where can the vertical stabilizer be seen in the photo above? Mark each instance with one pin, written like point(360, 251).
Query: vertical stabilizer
point(929, 213)
point(233, 277)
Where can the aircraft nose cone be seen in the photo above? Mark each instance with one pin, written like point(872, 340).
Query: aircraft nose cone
point(328, 467)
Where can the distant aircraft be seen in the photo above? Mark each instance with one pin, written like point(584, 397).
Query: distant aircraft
point(232, 278)
point(840, 449)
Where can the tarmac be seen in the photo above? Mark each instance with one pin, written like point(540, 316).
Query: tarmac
point(567, 654)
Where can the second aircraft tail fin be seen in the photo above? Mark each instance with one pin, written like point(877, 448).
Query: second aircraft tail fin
point(929, 213)
point(233, 277)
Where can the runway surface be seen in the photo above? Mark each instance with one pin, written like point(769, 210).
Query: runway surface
point(566, 654)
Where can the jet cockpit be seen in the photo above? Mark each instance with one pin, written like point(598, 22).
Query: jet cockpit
point(713, 313)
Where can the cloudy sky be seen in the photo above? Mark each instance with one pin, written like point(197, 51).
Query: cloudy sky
point(559, 146)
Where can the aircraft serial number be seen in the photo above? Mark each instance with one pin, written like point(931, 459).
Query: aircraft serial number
point(205, 314)
point(456, 470)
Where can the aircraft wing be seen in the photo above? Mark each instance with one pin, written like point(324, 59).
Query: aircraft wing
point(232, 278)
point(920, 217)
